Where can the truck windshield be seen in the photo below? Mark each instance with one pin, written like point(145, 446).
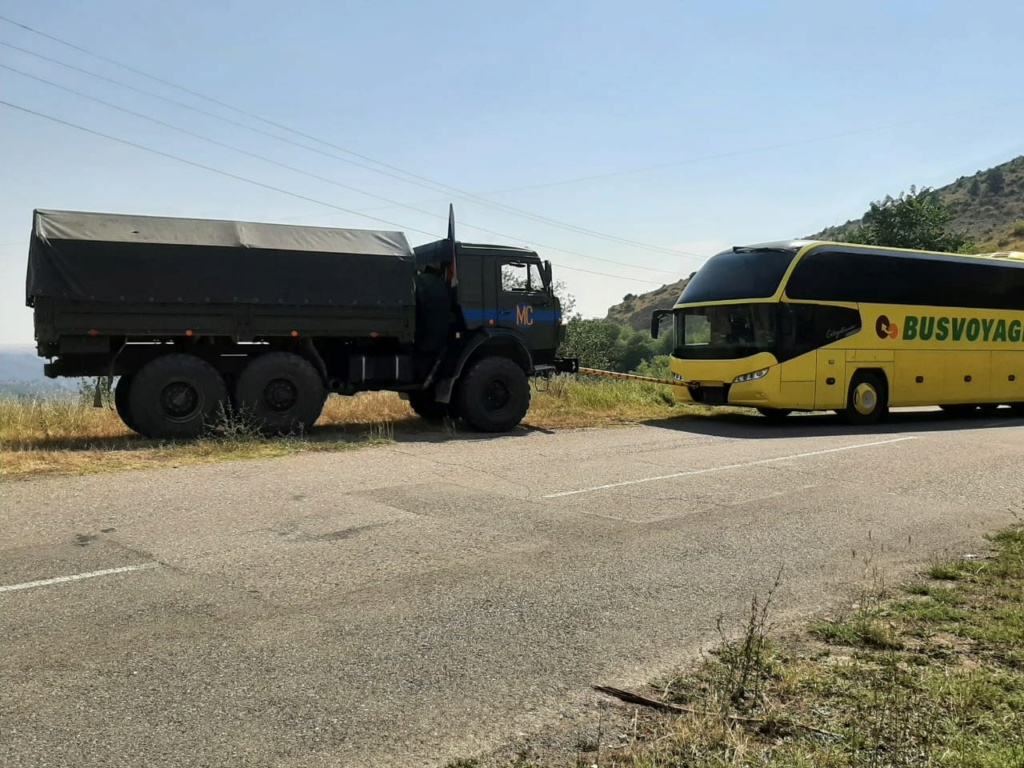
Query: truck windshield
point(725, 332)
point(738, 274)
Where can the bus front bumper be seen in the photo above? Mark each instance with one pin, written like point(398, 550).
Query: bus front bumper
point(747, 383)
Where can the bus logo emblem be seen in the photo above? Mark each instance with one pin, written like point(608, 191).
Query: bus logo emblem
point(885, 329)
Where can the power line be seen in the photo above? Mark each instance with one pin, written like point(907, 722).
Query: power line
point(431, 184)
point(747, 151)
point(271, 187)
point(318, 177)
point(482, 200)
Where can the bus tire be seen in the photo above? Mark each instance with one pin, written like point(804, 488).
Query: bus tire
point(494, 395)
point(175, 396)
point(774, 414)
point(122, 404)
point(868, 398)
point(281, 392)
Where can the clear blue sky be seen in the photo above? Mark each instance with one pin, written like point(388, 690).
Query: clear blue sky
point(502, 101)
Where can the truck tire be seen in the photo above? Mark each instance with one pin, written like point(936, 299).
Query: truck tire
point(175, 396)
point(122, 404)
point(424, 405)
point(494, 395)
point(867, 400)
point(282, 392)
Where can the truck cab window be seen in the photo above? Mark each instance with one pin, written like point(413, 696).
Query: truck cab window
point(521, 277)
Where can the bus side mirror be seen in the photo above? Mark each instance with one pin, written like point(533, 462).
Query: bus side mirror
point(656, 321)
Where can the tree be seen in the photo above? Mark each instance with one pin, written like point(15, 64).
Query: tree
point(594, 342)
point(975, 188)
point(917, 219)
point(610, 346)
point(995, 182)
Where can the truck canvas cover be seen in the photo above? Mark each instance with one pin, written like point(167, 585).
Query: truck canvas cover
point(100, 257)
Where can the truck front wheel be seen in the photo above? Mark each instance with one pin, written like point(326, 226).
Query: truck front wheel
point(494, 395)
point(175, 396)
point(282, 392)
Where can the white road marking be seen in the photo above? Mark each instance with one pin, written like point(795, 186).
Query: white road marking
point(728, 467)
point(77, 577)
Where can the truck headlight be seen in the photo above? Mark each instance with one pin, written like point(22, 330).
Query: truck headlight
point(751, 376)
point(677, 377)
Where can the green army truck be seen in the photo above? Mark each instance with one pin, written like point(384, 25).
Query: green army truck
point(196, 318)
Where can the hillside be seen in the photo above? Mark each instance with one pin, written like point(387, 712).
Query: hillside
point(635, 311)
point(989, 211)
point(983, 207)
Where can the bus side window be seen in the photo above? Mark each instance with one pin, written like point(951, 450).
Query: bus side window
point(806, 327)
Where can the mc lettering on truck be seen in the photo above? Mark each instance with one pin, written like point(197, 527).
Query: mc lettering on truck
point(930, 327)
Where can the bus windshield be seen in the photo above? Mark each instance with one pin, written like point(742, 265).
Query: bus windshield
point(725, 332)
point(737, 275)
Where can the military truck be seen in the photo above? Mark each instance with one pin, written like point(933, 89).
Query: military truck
point(198, 318)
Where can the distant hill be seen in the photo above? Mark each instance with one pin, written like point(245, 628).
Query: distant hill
point(21, 375)
point(985, 208)
point(988, 206)
point(635, 311)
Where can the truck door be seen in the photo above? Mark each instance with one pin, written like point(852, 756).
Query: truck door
point(524, 304)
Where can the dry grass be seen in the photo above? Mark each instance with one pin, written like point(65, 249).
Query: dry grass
point(48, 437)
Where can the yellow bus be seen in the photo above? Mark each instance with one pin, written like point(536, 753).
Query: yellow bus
point(821, 326)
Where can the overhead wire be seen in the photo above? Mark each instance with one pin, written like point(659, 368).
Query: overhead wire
point(310, 174)
point(476, 197)
point(264, 185)
point(423, 180)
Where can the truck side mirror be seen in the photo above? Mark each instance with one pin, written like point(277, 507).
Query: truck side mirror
point(656, 321)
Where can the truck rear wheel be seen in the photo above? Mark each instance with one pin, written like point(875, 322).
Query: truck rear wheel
point(425, 405)
point(282, 392)
point(122, 404)
point(175, 396)
point(494, 395)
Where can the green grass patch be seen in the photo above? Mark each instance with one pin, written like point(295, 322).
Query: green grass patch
point(945, 572)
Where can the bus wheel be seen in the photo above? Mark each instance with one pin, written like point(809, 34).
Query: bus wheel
point(774, 414)
point(867, 400)
point(175, 396)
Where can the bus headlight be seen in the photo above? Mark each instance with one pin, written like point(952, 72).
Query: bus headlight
point(677, 377)
point(751, 376)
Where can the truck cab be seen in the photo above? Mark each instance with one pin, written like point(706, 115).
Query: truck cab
point(501, 292)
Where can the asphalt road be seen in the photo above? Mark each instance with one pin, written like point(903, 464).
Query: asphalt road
point(409, 604)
